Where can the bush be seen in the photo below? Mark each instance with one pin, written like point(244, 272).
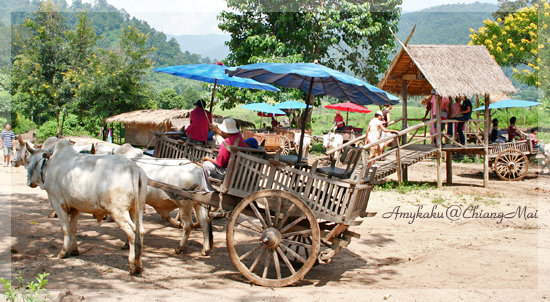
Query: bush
point(24, 125)
point(71, 126)
point(31, 291)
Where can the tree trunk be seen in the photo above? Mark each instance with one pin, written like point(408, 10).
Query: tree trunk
point(57, 121)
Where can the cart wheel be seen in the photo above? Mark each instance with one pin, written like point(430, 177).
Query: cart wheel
point(259, 242)
point(285, 145)
point(511, 164)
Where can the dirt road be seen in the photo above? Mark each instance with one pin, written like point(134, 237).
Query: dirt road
point(440, 258)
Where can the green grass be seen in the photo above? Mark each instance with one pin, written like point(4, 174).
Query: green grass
point(323, 118)
point(404, 188)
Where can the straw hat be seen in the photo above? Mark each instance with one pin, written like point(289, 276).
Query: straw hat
point(229, 126)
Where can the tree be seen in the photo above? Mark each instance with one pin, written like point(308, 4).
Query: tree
point(168, 98)
point(41, 73)
point(507, 7)
point(514, 41)
point(346, 35)
point(113, 85)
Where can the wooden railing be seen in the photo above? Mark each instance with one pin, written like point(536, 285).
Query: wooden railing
point(330, 199)
point(171, 148)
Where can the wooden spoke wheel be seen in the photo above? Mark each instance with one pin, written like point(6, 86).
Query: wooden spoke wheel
point(262, 234)
point(285, 145)
point(511, 164)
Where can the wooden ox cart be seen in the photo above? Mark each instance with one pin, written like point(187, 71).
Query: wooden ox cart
point(270, 141)
point(510, 161)
point(284, 217)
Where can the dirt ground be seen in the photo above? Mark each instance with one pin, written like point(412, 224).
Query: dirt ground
point(396, 259)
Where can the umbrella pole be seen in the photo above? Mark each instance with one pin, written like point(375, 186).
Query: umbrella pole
point(304, 122)
point(347, 117)
point(212, 100)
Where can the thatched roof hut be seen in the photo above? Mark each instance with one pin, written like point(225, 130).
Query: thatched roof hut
point(138, 123)
point(452, 70)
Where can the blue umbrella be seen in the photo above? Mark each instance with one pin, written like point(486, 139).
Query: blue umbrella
point(213, 73)
point(322, 81)
point(314, 79)
point(291, 105)
point(509, 104)
point(263, 107)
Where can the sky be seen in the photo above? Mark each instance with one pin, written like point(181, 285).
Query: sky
point(198, 17)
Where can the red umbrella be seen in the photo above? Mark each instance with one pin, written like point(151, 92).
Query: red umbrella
point(348, 107)
point(269, 114)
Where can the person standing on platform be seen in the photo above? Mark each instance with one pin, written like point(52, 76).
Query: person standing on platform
point(464, 115)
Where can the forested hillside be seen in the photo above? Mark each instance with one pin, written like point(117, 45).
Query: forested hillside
point(108, 23)
point(450, 24)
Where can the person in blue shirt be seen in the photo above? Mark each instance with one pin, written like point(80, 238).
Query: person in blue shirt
point(7, 140)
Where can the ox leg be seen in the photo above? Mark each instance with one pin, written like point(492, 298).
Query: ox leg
point(65, 228)
point(185, 214)
point(201, 213)
point(127, 225)
point(73, 248)
point(53, 214)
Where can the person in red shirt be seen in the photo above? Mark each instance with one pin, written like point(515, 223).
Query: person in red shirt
point(199, 119)
point(228, 130)
point(339, 121)
point(274, 123)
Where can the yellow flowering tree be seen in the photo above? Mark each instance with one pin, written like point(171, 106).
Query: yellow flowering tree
point(514, 41)
point(544, 55)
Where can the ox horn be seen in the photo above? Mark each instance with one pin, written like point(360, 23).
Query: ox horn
point(29, 148)
point(20, 139)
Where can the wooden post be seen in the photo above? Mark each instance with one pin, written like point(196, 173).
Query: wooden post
point(398, 162)
point(486, 142)
point(405, 123)
point(449, 116)
point(439, 141)
point(449, 164)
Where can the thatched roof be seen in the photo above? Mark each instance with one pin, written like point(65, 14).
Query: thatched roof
point(452, 70)
point(155, 117)
point(161, 117)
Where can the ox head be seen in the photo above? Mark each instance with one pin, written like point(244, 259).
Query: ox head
point(128, 151)
point(328, 139)
point(37, 163)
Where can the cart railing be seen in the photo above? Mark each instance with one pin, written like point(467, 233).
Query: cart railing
point(524, 146)
point(171, 148)
point(332, 200)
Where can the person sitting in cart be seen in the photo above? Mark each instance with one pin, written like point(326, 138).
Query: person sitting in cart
point(513, 130)
point(199, 121)
point(496, 136)
point(339, 121)
point(228, 130)
point(251, 143)
point(536, 144)
point(274, 123)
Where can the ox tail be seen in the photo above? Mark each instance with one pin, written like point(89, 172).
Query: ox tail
point(139, 179)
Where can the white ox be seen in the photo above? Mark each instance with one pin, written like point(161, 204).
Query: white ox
point(305, 146)
point(183, 174)
point(83, 147)
point(331, 141)
point(97, 184)
point(22, 155)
